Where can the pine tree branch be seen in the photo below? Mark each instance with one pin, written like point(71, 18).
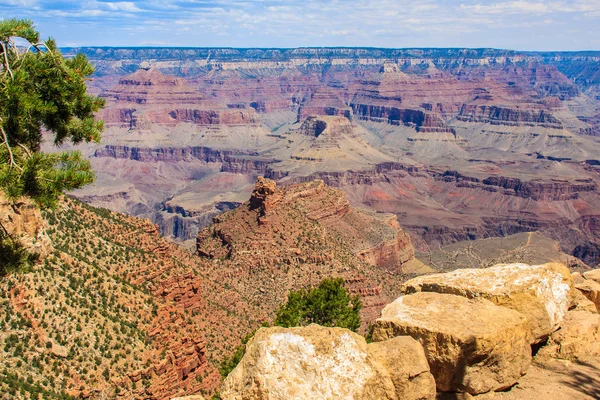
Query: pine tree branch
point(6, 66)
point(25, 149)
point(13, 46)
point(10, 153)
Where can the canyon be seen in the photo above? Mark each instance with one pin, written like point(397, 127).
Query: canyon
point(458, 144)
point(112, 309)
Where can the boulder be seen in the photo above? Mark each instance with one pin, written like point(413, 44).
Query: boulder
point(577, 338)
point(472, 345)
point(593, 275)
point(59, 351)
point(582, 303)
point(543, 293)
point(591, 290)
point(315, 362)
point(402, 360)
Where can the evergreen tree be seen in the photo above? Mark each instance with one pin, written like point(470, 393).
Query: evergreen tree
point(41, 91)
point(328, 304)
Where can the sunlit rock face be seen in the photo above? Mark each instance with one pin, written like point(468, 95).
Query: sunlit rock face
point(328, 363)
point(543, 293)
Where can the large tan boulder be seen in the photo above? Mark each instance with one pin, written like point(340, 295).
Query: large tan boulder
point(577, 338)
point(593, 275)
point(543, 293)
point(591, 290)
point(315, 362)
point(472, 345)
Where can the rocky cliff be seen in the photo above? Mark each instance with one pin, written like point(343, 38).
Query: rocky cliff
point(294, 234)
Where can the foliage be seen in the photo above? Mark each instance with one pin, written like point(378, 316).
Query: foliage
point(42, 91)
point(13, 256)
point(328, 304)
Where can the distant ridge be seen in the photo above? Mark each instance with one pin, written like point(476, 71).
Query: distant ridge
point(232, 54)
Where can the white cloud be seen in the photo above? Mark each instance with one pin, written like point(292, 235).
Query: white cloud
point(509, 7)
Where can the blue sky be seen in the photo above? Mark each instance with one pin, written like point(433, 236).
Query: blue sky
point(513, 24)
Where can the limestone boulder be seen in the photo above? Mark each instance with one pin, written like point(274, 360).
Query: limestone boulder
point(577, 338)
point(543, 293)
point(593, 275)
point(472, 345)
point(591, 290)
point(582, 303)
point(315, 362)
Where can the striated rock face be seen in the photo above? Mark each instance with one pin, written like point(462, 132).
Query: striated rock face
point(550, 191)
point(543, 293)
point(471, 345)
point(147, 97)
point(324, 101)
point(23, 221)
point(150, 86)
point(330, 208)
point(262, 189)
point(508, 116)
point(215, 117)
point(332, 127)
point(308, 231)
point(421, 120)
point(169, 154)
point(328, 363)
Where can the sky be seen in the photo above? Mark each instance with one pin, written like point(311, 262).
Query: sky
point(517, 24)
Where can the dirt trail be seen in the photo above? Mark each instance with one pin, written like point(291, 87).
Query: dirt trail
point(558, 380)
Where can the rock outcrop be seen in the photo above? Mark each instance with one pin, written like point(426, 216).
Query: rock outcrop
point(23, 222)
point(471, 345)
point(328, 363)
point(308, 230)
point(543, 293)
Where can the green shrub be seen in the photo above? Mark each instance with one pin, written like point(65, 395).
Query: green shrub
point(328, 305)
